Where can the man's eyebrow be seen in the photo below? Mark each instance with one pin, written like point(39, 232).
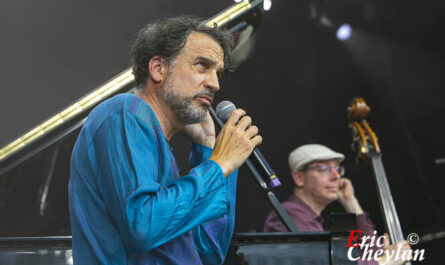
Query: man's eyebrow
point(206, 60)
point(210, 62)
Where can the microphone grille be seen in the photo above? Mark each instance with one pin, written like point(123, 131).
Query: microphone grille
point(224, 109)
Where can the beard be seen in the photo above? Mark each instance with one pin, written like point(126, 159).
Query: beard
point(185, 109)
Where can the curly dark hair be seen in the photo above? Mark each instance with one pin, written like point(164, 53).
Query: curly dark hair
point(166, 37)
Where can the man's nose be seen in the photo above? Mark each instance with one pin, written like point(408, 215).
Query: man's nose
point(212, 81)
point(335, 175)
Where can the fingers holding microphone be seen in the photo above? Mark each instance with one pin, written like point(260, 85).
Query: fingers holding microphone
point(235, 142)
point(250, 131)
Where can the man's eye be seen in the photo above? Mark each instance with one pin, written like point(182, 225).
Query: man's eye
point(324, 168)
point(201, 64)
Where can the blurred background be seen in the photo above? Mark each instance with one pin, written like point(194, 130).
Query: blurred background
point(308, 59)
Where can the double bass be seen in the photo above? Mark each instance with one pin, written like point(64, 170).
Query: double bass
point(366, 145)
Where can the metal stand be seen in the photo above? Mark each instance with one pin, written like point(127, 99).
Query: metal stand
point(284, 217)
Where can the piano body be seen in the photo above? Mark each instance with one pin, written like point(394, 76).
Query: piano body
point(34, 174)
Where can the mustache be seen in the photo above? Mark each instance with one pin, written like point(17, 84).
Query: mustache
point(206, 92)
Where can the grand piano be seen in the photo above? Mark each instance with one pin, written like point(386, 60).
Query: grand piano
point(34, 174)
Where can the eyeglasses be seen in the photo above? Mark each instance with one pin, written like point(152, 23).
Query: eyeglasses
point(326, 169)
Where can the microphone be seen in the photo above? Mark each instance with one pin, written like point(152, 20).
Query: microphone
point(223, 111)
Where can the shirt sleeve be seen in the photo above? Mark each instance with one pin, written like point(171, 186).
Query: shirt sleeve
point(301, 218)
point(212, 238)
point(146, 214)
point(274, 224)
point(365, 224)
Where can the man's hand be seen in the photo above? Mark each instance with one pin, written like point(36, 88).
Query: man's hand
point(386, 260)
point(347, 198)
point(201, 133)
point(235, 142)
point(345, 190)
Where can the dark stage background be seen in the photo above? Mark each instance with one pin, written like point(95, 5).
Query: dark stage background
point(296, 86)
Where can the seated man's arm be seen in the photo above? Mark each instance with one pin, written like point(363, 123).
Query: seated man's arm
point(298, 216)
point(364, 223)
point(274, 224)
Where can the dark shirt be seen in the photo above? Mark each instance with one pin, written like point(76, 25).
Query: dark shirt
point(306, 220)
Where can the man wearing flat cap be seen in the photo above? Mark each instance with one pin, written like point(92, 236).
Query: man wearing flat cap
point(317, 175)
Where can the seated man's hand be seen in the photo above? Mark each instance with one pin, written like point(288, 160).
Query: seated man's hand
point(391, 259)
point(347, 198)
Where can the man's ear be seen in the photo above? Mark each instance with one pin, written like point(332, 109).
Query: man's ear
point(298, 178)
point(157, 69)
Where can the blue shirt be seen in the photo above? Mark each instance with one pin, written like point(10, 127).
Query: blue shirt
point(128, 204)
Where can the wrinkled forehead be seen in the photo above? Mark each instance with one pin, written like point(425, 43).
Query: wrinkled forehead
point(201, 44)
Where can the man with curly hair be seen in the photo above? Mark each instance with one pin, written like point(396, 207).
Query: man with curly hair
point(128, 203)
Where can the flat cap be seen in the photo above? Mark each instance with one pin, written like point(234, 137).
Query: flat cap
point(309, 153)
